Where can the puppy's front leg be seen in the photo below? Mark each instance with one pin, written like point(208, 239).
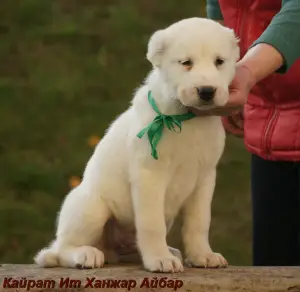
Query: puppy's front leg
point(148, 200)
point(196, 224)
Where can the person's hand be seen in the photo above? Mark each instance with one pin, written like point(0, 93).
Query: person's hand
point(232, 112)
point(234, 124)
point(238, 93)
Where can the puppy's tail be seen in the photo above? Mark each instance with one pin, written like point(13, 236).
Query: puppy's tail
point(47, 258)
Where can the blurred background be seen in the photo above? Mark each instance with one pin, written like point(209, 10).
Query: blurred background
point(67, 69)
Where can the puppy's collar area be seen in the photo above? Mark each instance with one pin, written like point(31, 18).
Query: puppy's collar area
point(155, 129)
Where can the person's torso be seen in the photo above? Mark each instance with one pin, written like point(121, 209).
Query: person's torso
point(272, 113)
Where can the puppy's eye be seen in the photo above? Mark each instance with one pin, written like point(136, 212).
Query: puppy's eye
point(186, 63)
point(219, 62)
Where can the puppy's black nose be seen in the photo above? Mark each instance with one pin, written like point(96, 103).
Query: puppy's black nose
point(206, 93)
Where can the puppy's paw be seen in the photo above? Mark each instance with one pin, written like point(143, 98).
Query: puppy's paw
point(46, 258)
point(164, 264)
point(207, 260)
point(88, 257)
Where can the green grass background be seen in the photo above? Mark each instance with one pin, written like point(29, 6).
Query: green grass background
point(67, 69)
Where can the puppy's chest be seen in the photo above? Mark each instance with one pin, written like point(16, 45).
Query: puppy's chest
point(191, 153)
point(182, 182)
point(196, 142)
point(183, 179)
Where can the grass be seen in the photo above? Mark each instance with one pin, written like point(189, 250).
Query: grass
point(63, 78)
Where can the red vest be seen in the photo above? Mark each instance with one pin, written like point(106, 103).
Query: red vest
point(272, 113)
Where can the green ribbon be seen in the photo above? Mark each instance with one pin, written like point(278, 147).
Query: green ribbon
point(156, 127)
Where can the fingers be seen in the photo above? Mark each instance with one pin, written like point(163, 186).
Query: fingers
point(234, 125)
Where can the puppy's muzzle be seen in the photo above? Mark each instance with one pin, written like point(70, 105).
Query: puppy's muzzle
point(206, 93)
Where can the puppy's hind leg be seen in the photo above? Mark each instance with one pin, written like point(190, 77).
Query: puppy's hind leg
point(80, 226)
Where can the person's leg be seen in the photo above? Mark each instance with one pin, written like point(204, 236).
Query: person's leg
point(298, 218)
point(275, 207)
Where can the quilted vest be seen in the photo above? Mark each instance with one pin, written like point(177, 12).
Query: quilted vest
point(272, 113)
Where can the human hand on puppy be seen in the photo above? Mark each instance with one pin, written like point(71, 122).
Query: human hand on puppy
point(238, 93)
point(232, 111)
point(258, 63)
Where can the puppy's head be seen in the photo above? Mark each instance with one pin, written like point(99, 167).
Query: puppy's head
point(196, 58)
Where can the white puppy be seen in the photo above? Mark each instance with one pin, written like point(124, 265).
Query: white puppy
point(146, 186)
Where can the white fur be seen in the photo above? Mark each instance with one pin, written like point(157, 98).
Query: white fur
point(123, 180)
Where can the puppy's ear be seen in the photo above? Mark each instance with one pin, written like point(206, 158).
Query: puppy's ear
point(156, 47)
point(235, 43)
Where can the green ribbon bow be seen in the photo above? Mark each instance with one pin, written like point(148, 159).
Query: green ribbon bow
point(155, 128)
